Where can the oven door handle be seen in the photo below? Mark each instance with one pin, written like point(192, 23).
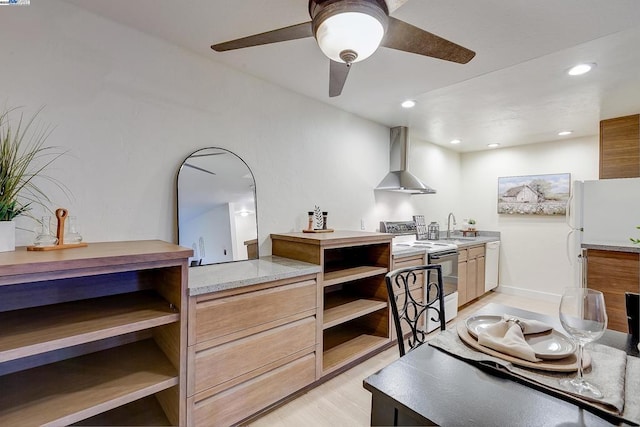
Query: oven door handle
point(437, 257)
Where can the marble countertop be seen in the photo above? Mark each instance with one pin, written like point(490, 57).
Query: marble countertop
point(616, 247)
point(479, 240)
point(218, 277)
point(405, 251)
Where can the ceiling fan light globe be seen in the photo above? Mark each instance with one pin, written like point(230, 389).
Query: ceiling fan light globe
point(349, 31)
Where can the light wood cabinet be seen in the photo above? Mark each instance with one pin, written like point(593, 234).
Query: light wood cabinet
point(94, 336)
point(407, 261)
point(354, 316)
point(249, 348)
point(471, 270)
point(477, 254)
point(227, 407)
point(614, 273)
point(417, 289)
point(462, 277)
point(620, 147)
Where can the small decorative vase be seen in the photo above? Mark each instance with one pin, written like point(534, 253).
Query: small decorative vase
point(72, 235)
point(44, 237)
point(7, 236)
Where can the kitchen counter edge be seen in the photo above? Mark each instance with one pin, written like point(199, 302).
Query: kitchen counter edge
point(219, 277)
point(614, 248)
point(479, 240)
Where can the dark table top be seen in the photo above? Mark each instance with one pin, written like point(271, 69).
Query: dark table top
point(432, 384)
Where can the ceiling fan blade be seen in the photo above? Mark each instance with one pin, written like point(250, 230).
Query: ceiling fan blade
point(408, 38)
point(338, 72)
point(198, 168)
point(298, 31)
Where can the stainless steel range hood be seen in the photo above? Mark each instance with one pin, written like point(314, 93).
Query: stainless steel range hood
point(399, 179)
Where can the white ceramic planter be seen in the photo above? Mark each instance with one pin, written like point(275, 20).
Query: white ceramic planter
point(7, 236)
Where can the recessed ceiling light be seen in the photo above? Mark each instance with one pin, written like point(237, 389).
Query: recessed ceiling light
point(580, 69)
point(408, 104)
point(565, 133)
point(455, 141)
point(493, 145)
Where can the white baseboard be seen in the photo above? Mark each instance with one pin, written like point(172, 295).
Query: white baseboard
point(528, 293)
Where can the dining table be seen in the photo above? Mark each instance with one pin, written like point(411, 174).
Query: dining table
point(429, 386)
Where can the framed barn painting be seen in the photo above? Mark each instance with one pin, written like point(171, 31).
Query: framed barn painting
point(534, 194)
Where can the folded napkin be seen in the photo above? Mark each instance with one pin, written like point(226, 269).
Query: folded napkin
point(507, 336)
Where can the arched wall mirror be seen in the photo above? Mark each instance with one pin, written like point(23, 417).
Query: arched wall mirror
point(217, 215)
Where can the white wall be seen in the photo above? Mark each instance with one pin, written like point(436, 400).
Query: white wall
point(439, 168)
point(245, 229)
point(533, 255)
point(130, 108)
point(211, 233)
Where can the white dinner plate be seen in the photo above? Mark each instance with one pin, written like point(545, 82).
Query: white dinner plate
point(475, 324)
point(547, 345)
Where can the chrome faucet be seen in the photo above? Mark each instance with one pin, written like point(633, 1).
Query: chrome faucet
point(449, 224)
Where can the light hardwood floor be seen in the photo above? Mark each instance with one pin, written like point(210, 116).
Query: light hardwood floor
point(342, 401)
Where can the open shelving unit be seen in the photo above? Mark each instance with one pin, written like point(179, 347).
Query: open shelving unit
point(37, 330)
point(347, 343)
point(342, 308)
point(352, 273)
point(90, 333)
point(142, 411)
point(354, 320)
point(91, 384)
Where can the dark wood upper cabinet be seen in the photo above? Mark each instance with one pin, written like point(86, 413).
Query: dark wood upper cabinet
point(620, 147)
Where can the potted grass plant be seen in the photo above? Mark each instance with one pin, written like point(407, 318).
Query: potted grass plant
point(23, 160)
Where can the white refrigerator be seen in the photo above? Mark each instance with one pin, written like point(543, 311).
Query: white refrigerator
point(603, 212)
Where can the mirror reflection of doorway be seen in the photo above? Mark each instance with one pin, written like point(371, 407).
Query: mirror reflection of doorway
point(217, 207)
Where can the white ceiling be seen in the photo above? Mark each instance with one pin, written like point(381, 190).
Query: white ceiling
point(515, 91)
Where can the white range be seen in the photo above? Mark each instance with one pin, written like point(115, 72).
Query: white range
point(438, 252)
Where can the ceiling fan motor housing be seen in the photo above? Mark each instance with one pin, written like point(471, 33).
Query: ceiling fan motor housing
point(321, 10)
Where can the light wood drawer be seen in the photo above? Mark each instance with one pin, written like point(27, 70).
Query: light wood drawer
point(476, 251)
point(462, 254)
point(417, 284)
point(222, 363)
point(416, 293)
point(410, 261)
point(237, 403)
point(223, 316)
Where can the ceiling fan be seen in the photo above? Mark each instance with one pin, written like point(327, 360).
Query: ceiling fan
point(349, 31)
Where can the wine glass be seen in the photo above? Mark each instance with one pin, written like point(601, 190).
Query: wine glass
point(584, 317)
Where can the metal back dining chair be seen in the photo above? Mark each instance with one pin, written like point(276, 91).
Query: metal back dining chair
point(632, 301)
point(411, 303)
